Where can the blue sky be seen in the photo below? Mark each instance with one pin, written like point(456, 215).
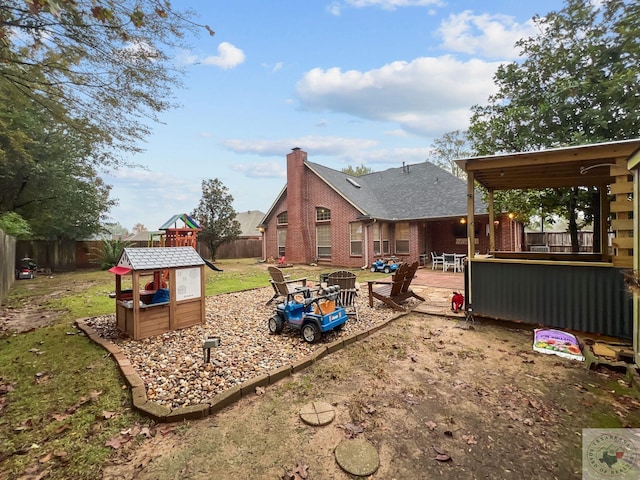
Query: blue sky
point(351, 82)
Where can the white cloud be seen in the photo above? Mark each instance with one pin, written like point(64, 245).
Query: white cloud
point(336, 7)
point(274, 169)
point(229, 56)
point(185, 57)
point(398, 132)
point(428, 96)
point(319, 145)
point(492, 36)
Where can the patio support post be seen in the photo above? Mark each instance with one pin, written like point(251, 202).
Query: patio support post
point(492, 225)
point(604, 224)
point(471, 245)
point(636, 257)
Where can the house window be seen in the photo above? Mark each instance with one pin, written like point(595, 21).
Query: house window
point(323, 240)
point(323, 214)
point(356, 239)
point(381, 239)
point(376, 240)
point(402, 238)
point(282, 241)
point(283, 218)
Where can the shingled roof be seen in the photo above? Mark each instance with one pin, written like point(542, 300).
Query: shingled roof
point(159, 257)
point(416, 191)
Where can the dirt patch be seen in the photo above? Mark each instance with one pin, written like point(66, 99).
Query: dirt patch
point(20, 320)
point(436, 401)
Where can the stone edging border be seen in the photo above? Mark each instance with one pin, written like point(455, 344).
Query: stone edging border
point(162, 414)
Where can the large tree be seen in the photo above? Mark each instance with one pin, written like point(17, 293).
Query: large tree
point(46, 175)
point(450, 147)
point(577, 83)
point(361, 169)
point(216, 215)
point(106, 62)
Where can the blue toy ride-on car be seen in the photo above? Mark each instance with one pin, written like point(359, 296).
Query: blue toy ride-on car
point(386, 266)
point(312, 315)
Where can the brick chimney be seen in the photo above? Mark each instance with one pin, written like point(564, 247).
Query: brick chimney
point(295, 248)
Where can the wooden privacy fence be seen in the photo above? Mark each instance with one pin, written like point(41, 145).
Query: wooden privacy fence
point(240, 248)
point(7, 263)
point(559, 241)
point(68, 255)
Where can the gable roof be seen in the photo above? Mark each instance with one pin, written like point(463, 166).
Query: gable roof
point(159, 257)
point(249, 223)
point(415, 191)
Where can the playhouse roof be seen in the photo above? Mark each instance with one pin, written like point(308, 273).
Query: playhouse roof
point(185, 218)
point(156, 258)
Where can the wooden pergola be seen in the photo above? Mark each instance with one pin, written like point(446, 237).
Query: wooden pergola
point(579, 291)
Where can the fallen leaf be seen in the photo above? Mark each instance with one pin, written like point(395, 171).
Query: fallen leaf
point(45, 458)
point(431, 425)
point(114, 443)
point(441, 457)
point(107, 415)
point(146, 432)
point(62, 428)
point(59, 417)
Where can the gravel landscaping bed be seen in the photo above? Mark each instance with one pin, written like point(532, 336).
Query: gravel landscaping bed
point(172, 364)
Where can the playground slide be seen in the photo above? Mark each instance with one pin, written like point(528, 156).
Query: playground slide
point(212, 266)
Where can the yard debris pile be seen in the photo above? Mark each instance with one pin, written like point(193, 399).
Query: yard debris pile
point(172, 364)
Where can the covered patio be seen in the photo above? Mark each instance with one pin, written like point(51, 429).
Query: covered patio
point(577, 291)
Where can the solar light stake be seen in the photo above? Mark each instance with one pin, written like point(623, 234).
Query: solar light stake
point(207, 345)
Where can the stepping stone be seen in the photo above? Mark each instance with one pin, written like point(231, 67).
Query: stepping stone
point(357, 457)
point(317, 413)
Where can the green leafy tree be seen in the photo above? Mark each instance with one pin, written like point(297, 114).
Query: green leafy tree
point(46, 172)
point(108, 62)
point(577, 83)
point(450, 147)
point(13, 224)
point(216, 216)
point(357, 171)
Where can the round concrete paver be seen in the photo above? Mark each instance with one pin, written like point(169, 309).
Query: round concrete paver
point(357, 457)
point(317, 413)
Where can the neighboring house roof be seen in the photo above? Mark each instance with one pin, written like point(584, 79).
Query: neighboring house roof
point(143, 236)
point(416, 191)
point(249, 223)
point(159, 257)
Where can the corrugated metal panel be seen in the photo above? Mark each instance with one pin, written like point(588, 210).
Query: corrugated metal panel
point(583, 298)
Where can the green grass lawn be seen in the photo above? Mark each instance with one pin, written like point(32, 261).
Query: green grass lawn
point(64, 395)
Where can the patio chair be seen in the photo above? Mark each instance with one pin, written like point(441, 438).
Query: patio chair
point(449, 260)
point(436, 260)
point(396, 291)
point(282, 285)
point(348, 295)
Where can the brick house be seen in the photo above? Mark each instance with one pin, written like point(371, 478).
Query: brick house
point(327, 217)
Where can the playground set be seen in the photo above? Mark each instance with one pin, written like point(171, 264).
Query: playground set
point(167, 282)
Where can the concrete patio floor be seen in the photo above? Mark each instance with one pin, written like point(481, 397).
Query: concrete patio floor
point(437, 288)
